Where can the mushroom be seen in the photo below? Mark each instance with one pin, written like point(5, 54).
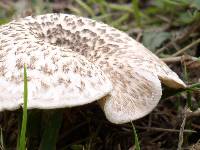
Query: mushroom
point(73, 61)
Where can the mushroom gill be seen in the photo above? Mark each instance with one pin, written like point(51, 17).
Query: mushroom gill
point(73, 61)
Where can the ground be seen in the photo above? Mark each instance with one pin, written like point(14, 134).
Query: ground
point(170, 29)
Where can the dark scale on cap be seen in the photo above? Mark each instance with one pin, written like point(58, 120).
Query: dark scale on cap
point(43, 17)
point(80, 22)
point(44, 85)
point(67, 19)
point(101, 30)
point(59, 27)
point(65, 68)
point(64, 81)
point(2, 70)
point(101, 41)
point(19, 63)
point(85, 39)
point(47, 70)
point(58, 42)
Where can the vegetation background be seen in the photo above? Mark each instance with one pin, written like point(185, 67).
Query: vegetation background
point(170, 29)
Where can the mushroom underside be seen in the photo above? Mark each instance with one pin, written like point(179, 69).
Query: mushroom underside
point(139, 99)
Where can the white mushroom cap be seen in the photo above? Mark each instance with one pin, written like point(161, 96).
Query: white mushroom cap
point(57, 77)
point(73, 61)
point(70, 80)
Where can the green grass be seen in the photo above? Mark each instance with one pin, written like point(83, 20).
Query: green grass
point(22, 137)
point(85, 7)
point(52, 125)
point(1, 140)
point(137, 13)
point(136, 141)
point(51, 129)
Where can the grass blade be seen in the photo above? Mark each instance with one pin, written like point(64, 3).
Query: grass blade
point(85, 7)
point(135, 5)
point(119, 7)
point(1, 140)
point(22, 140)
point(51, 129)
point(137, 145)
point(119, 21)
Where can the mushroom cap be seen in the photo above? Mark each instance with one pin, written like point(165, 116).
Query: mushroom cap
point(73, 61)
point(71, 80)
point(57, 77)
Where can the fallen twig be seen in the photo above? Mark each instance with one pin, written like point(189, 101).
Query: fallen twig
point(180, 141)
point(178, 59)
point(195, 113)
point(181, 38)
point(186, 48)
point(161, 129)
